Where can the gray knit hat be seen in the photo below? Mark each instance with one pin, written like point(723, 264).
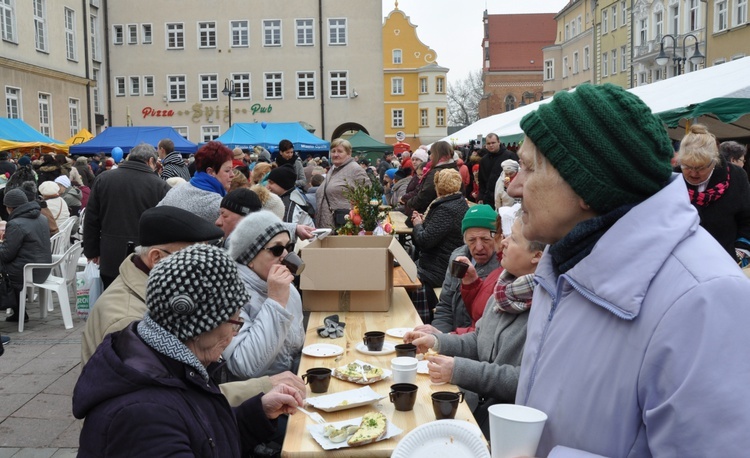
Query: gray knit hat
point(15, 198)
point(252, 233)
point(194, 291)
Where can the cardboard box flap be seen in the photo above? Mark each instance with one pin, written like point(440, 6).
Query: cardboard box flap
point(403, 258)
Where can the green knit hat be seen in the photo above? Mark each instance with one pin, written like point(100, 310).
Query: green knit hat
point(605, 143)
point(479, 216)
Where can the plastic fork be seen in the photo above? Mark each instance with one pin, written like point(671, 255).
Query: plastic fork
point(316, 417)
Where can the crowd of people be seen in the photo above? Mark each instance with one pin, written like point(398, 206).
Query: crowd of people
point(602, 286)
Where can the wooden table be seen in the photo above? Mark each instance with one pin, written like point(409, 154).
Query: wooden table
point(299, 442)
point(402, 280)
point(398, 221)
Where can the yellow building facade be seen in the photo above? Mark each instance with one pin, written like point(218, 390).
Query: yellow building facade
point(415, 87)
point(612, 43)
point(728, 32)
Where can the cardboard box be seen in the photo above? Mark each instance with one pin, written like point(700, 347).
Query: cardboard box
point(351, 273)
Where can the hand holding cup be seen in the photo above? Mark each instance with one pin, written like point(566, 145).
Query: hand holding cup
point(440, 368)
point(423, 341)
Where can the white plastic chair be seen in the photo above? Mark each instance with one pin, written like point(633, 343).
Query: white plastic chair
point(53, 283)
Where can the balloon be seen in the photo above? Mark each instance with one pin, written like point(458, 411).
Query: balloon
point(263, 124)
point(117, 154)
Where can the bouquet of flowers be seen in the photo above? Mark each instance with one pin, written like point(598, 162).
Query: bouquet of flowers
point(365, 214)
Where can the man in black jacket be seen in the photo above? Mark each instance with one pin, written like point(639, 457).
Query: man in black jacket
point(490, 168)
point(115, 205)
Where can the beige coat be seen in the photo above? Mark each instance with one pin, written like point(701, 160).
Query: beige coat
point(333, 188)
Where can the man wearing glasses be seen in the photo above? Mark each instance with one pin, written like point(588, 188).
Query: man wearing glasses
point(490, 168)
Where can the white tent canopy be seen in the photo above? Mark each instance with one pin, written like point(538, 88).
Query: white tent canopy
point(729, 80)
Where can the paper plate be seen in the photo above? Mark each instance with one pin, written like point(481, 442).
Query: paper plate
point(398, 333)
point(422, 367)
point(322, 350)
point(317, 433)
point(443, 439)
point(345, 399)
point(388, 348)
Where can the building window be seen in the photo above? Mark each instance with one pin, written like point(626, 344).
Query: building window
point(132, 34)
point(240, 32)
point(336, 32)
point(565, 67)
point(272, 32)
point(182, 130)
point(573, 29)
point(396, 56)
point(440, 117)
point(206, 34)
point(209, 133)
point(135, 85)
point(273, 83)
point(658, 25)
point(13, 103)
point(720, 20)
point(95, 53)
point(40, 25)
point(440, 85)
point(397, 86)
point(148, 85)
point(510, 102)
point(397, 117)
point(75, 118)
point(241, 86)
point(118, 35)
point(614, 17)
point(305, 32)
point(694, 15)
point(209, 87)
point(339, 84)
point(567, 32)
point(305, 85)
point(642, 78)
point(578, 24)
point(423, 85)
point(614, 61)
point(175, 36)
point(643, 31)
point(586, 58)
point(576, 67)
point(120, 86)
point(624, 12)
point(177, 88)
point(549, 70)
point(8, 20)
point(70, 34)
point(423, 118)
point(658, 75)
point(623, 59)
point(740, 12)
point(95, 74)
point(605, 21)
point(605, 64)
point(147, 36)
point(45, 121)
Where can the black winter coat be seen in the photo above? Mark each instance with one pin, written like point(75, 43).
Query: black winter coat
point(26, 241)
point(114, 209)
point(426, 193)
point(490, 168)
point(437, 237)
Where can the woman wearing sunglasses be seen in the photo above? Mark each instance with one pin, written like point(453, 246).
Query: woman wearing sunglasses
point(271, 339)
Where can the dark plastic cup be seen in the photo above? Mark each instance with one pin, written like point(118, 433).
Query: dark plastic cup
point(403, 396)
point(374, 340)
point(459, 268)
point(294, 263)
point(319, 378)
point(406, 350)
point(445, 404)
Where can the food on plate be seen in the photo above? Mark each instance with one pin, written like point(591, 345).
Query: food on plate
point(371, 429)
point(358, 373)
point(337, 435)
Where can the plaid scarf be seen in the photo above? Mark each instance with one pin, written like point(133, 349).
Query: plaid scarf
point(513, 295)
point(703, 199)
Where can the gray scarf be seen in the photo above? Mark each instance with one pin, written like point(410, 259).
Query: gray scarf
point(168, 345)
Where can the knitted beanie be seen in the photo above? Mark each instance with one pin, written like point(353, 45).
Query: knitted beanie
point(63, 180)
point(49, 189)
point(194, 291)
point(284, 176)
point(252, 234)
point(482, 216)
point(15, 198)
point(24, 161)
point(421, 155)
point(391, 173)
point(605, 143)
point(241, 201)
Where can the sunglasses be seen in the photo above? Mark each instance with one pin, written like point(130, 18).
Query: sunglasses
point(278, 250)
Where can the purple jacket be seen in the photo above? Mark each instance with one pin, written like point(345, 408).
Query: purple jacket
point(138, 402)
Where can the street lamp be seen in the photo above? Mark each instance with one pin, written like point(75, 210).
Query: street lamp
point(679, 62)
point(229, 92)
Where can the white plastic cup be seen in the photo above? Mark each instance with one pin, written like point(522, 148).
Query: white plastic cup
point(404, 369)
point(515, 430)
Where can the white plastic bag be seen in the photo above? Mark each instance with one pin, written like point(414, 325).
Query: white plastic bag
point(88, 289)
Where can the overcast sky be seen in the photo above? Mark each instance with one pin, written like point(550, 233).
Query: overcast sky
point(454, 28)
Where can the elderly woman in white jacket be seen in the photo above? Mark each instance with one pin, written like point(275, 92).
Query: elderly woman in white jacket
point(271, 339)
point(50, 191)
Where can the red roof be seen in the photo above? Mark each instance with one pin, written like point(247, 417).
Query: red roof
point(517, 39)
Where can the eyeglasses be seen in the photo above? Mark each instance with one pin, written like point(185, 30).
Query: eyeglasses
point(278, 250)
point(237, 324)
point(696, 169)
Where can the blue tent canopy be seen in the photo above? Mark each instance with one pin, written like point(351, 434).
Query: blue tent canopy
point(268, 135)
point(128, 137)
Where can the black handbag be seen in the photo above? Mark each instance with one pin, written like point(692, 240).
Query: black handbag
point(7, 293)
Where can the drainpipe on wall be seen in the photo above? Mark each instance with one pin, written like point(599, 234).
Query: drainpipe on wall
point(108, 122)
point(86, 43)
point(322, 80)
point(632, 49)
point(705, 36)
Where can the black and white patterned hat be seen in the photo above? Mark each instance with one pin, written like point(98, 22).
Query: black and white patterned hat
point(194, 291)
point(252, 233)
